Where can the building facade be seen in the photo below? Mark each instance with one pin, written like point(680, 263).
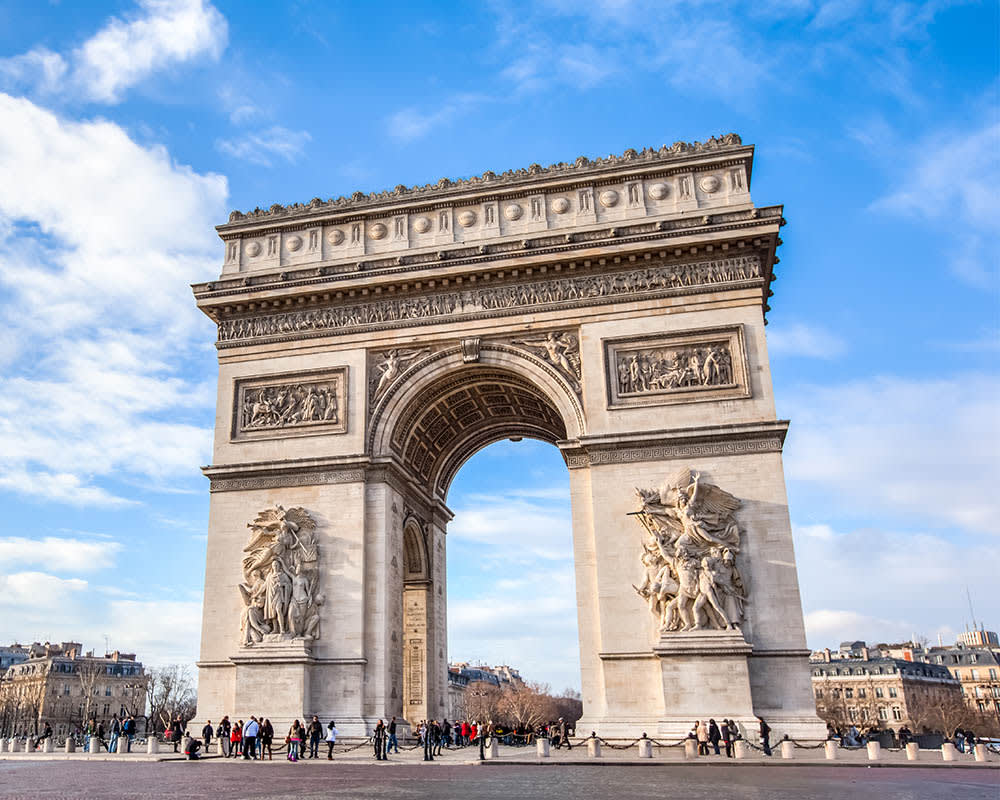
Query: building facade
point(60, 685)
point(861, 687)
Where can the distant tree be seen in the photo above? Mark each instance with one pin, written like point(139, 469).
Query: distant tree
point(527, 705)
point(170, 693)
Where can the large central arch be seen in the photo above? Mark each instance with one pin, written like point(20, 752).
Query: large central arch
point(368, 346)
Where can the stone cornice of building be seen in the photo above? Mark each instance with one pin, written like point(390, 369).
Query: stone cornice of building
point(233, 290)
point(680, 153)
point(712, 441)
point(318, 471)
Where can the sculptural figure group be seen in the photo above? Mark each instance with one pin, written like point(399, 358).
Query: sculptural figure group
point(286, 405)
point(691, 578)
point(280, 578)
point(674, 368)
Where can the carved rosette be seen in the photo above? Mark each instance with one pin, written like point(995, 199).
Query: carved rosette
point(691, 581)
point(280, 588)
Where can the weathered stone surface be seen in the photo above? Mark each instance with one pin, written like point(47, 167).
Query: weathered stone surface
point(368, 347)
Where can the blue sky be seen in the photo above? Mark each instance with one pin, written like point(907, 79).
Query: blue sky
point(129, 129)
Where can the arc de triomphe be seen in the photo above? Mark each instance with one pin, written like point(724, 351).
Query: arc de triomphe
point(369, 345)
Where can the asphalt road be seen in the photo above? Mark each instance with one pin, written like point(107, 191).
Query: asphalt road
point(221, 780)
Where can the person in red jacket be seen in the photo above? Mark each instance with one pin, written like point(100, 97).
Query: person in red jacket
point(472, 732)
point(465, 732)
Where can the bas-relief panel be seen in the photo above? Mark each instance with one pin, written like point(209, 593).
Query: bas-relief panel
point(293, 404)
point(708, 364)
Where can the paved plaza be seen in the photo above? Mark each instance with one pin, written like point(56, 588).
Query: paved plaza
point(220, 780)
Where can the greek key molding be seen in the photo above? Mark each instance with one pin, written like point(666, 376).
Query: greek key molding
point(285, 480)
point(658, 280)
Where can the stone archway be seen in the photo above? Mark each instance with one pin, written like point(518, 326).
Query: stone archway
point(368, 346)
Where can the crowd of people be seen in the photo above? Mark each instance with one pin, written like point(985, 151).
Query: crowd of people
point(963, 738)
point(722, 737)
point(253, 740)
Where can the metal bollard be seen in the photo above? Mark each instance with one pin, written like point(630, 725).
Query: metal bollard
point(787, 749)
point(3, 745)
point(593, 747)
point(49, 745)
point(690, 748)
point(741, 749)
point(493, 749)
point(542, 747)
point(70, 746)
point(122, 745)
point(979, 751)
point(874, 751)
point(95, 746)
point(830, 747)
point(645, 747)
point(14, 746)
point(948, 752)
point(152, 745)
point(912, 751)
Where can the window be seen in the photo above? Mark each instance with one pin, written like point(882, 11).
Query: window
point(980, 692)
point(864, 714)
point(107, 708)
point(879, 692)
point(981, 705)
point(893, 692)
point(896, 713)
point(819, 694)
point(848, 693)
point(836, 693)
point(852, 714)
point(883, 713)
point(974, 673)
point(862, 692)
point(973, 659)
point(996, 691)
point(993, 674)
point(107, 691)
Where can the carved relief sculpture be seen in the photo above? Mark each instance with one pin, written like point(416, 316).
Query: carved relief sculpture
point(388, 366)
point(267, 407)
point(561, 349)
point(691, 579)
point(280, 578)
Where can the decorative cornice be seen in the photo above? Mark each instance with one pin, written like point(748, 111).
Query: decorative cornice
point(446, 187)
point(544, 243)
point(722, 440)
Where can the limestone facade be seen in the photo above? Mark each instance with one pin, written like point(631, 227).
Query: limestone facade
point(369, 345)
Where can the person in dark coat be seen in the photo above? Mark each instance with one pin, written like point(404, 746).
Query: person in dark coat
point(176, 732)
point(714, 735)
point(765, 736)
point(379, 739)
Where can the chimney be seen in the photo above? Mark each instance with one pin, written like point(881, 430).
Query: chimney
point(826, 654)
point(864, 653)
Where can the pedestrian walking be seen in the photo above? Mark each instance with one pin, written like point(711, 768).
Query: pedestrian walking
point(393, 741)
point(331, 739)
point(206, 734)
point(765, 736)
point(436, 736)
point(116, 731)
point(315, 731)
point(562, 732)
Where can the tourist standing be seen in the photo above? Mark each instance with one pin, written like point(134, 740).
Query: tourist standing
point(176, 732)
point(236, 740)
point(222, 734)
point(701, 730)
point(563, 733)
point(465, 733)
point(436, 736)
point(378, 740)
point(727, 737)
point(765, 736)
point(331, 739)
point(206, 734)
point(250, 732)
point(128, 727)
point(714, 735)
point(294, 741)
point(266, 740)
point(315, 736)
point(446, 733)
point(393, 741)
point(116, 731)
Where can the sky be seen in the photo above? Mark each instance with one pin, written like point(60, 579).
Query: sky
point(128, 129)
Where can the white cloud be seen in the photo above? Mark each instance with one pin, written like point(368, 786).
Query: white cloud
point(882, 585)
point(515, 525)
point(411, 123)
point(800, 339)
point(125, 52)
point(264, 146)
point(100, 242)
point(57, 553)
point(884, 446)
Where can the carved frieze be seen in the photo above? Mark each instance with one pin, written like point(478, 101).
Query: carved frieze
point(691, 579)
point(575, 290)
point(708, 364)
point(385, 366)
point(289, 405)
point(280, 588)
